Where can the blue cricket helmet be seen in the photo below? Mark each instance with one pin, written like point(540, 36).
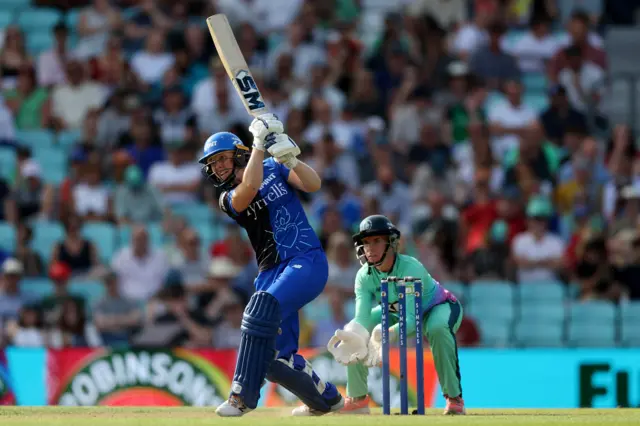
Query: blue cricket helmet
point(221, 142)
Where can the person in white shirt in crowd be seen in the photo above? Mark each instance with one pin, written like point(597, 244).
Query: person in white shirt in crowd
point(535, 48)
point(509, 119)
point(191, 260)
point(584, 81)
point(140, 267)
point(91, 196)
point(12, 299)
point(151, 63)
point(468, 38)
point(304, 53)
point(72, 101)
point(50, 68)
point(74, 329)
point(28, 331)
point(538, 254)
point(178, 178)
point(320, 85)
point(95, 23)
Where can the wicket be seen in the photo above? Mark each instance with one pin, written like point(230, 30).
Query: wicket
point(405, 286)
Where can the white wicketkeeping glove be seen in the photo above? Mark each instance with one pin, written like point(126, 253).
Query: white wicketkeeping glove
point(349, 345)
point(374, 356)
point(281, 145)
point(262, 126)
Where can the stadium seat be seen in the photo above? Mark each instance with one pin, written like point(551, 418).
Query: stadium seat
point(7, 237)
point(6, 18)
point(45, 236)
point(536, 334)
point(495, 311)
point(35, 139)
point(541, 291)
point(56, 164)
point(543, 312)
point(72, 18)
point(156, 236)
point(194, 213)
point(103, 236)
point(630, 324)
point(38, 19)
point(38, 287)
point(14, 5)
point(7, 162)
point(511, 38)
point(536, 101)
point(39, 42)
point(592, 324)
point(601, 335)
point(535, 83)
point(68, 138)
point(495, 334)
point(91, 291)
point(490, 291)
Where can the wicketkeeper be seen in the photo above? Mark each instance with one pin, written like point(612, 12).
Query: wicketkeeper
point(359, 344)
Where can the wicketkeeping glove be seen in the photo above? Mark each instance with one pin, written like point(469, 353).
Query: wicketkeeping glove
point(349, 345)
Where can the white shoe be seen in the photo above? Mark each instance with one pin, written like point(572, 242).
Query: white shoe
point(233, 407)
point(304, 410)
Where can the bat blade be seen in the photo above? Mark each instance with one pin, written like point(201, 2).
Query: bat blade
point(235, 64)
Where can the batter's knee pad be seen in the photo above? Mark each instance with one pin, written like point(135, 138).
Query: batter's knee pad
point(257, 350)
point(296, 375)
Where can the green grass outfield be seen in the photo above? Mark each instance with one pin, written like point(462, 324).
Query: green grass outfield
point(103, 416)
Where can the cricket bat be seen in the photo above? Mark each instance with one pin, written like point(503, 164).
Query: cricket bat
point(235, 64)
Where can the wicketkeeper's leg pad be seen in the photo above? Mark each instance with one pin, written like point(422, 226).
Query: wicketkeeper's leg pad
point(297, 376)
point(257, 350)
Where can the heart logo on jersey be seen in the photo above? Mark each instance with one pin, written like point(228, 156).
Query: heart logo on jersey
point(285, 233)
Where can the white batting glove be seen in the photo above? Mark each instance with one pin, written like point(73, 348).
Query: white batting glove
point(349, 345)
point(262, 126)
point(280, 145)
point(288, 160)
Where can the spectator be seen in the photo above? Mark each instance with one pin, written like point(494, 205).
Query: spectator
point(51, 67)
point(628, 276)
point(141, 269)
point(54, 304)
point(191, 261)
point(472, 35)
point(220, 289)
point(584, 81)
point(72, 101)
point(227, 333)
point(177, 179)
point(508, 120)
point(151, 63)
point(91, 197)
point(408, 117)
point(32, 197)
point(29, 258)
point(561, 117)
point(305, 52)
point(115, 119)
point(13, 57)
point(142, 142)
point(178, 325)
point(534, 50)
point(95, 22)
point(392, 194)
point(29, 104)
point(12, 298)
point(337, 195)
point(579, 36)
point(478, 216)
point(135, 201)
point(74, 329)
point(593, 272)
point(491, 63)
point(75, 251)
point(538, 254)
point(322, 85)
point(177, 122)
point(116, 318)
point(342, 265)
point(29, 330)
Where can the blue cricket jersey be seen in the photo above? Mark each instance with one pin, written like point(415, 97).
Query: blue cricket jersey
point(275, 221)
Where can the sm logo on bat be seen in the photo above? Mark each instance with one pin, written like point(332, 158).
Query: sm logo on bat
point(249, 90)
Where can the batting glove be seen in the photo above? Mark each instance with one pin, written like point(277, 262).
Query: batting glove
point(280, 145)
point(262, 126)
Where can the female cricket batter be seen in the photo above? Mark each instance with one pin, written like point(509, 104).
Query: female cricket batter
point(377, 248)
point(259, 195)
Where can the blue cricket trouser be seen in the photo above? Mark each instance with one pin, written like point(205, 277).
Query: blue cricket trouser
point(294, 282)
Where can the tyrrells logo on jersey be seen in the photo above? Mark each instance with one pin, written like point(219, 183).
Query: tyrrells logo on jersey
point(249, 90)
point(275, 191)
